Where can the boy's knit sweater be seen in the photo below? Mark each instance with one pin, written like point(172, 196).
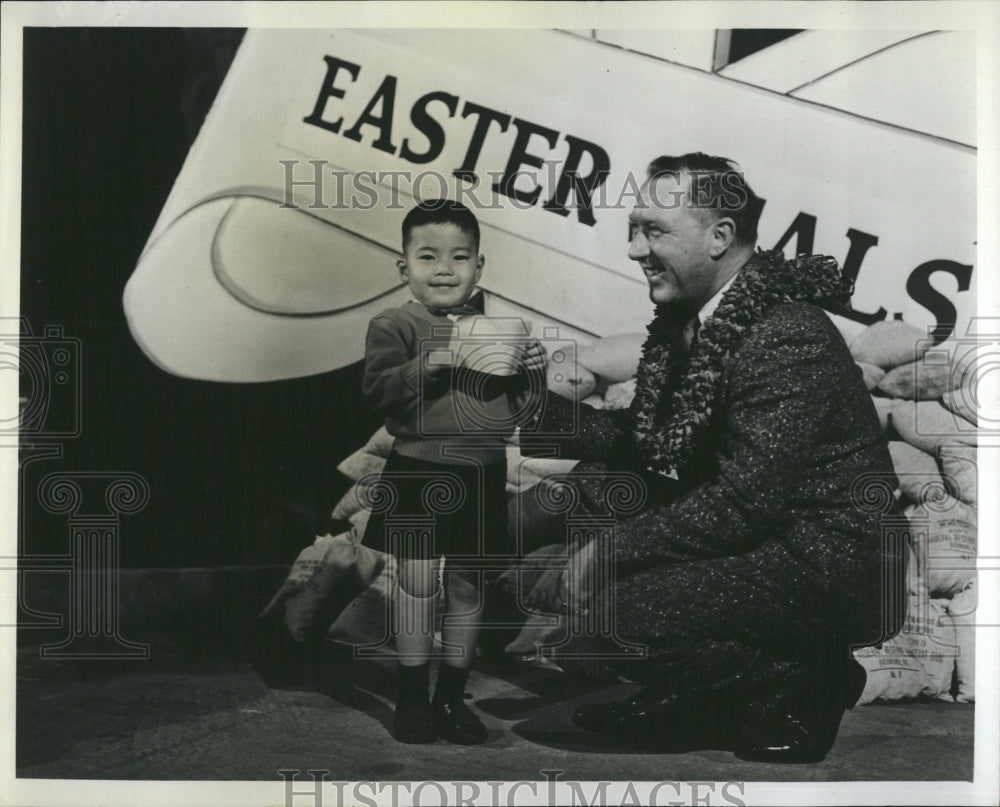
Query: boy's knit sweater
point(443, 416)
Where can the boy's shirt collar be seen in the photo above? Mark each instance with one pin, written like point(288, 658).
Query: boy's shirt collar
point(454, 311)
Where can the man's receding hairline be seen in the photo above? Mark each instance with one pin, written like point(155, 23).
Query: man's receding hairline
point(699, 210)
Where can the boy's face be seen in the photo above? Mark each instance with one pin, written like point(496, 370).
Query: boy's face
point(440, 265)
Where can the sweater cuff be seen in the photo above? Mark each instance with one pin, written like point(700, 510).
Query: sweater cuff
point(410, 373)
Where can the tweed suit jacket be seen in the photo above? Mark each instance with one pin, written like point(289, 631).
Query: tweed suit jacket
point(781, 469)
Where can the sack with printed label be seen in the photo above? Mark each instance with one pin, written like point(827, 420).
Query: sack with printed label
point(917, 663)
point(323, 580)
point(304, 567)
point(962, 610)
point(367, 618)
point(933, 642)
point(915, 584)
point(944, 534)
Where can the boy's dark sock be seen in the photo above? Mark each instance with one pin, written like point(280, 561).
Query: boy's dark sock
point(412, 721)
point(453, 720)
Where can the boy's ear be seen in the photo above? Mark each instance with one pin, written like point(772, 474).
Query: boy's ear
point(480, 263)
point(403, 270)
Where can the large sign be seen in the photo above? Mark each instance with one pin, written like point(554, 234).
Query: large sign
point(277, 242)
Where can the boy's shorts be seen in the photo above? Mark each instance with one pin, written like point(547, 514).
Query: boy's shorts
point(459, 511)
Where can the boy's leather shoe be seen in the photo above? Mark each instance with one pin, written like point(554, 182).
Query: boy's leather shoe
point(456, 723)
point(413, 722)
point(453, 720)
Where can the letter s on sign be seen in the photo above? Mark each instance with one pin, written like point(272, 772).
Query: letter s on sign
point(920, 290)
point(428, 127)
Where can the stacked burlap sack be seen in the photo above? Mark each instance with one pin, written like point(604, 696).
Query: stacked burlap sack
point(918, 393)
point(926, 403)
point(341, 588)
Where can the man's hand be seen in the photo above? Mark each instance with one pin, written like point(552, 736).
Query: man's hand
point(579, 584)
point(568, 589)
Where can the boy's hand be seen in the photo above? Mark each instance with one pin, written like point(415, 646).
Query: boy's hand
point(534, 358)
point(437, 361)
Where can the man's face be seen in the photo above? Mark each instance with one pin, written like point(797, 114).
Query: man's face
point(672, 243)
point(440, 265)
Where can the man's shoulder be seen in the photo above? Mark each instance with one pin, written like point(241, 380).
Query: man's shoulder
point(795, 317)
point(798, 328)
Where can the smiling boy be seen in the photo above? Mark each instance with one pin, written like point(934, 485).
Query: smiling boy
point(422, 401)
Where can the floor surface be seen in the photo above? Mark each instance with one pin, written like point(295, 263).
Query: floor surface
point(216, 720)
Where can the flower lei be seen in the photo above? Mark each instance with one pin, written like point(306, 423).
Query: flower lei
point(665, 424)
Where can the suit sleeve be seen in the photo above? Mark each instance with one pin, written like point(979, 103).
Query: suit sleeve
point(526, 394)
point(580, 431)
point(776, 403)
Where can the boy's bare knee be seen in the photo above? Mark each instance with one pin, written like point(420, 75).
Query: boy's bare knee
point(462, 589)
point(417, 578)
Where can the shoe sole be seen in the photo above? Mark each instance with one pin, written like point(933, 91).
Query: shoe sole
point(781, 756)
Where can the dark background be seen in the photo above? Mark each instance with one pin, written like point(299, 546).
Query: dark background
point(239, 473)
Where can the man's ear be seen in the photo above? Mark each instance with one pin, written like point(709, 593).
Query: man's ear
point(480, 263)
point(403, 269)
point(723, 236)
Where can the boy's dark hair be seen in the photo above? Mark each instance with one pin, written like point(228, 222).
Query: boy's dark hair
point(441, 211)
point(717, 186)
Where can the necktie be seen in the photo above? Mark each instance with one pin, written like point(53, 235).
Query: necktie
point(456, 310)
point(690, 333)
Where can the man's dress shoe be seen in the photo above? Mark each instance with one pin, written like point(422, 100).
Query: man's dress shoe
point(802, 730)
point(805, 730)
point(669, 722)
point(619, 717)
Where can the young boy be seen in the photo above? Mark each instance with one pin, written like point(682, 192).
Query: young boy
point(410, 379)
